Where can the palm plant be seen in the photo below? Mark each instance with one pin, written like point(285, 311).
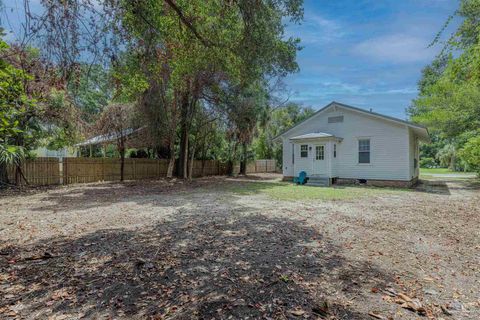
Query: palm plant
point(11, 156)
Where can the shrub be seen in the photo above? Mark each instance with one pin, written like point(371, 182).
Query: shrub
point(470, 153)
point(427, 163)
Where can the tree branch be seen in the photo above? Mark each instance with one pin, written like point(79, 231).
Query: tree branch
point(187, 23)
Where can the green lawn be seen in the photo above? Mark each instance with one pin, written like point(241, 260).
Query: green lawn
point(292, 192)
point(440, 171)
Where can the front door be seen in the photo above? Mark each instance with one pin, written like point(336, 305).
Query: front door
point(319, 160)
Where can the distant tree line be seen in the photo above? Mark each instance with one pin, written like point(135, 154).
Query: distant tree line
point(449, 96)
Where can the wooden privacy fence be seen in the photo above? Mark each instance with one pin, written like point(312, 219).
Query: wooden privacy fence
point(83, 170)
point(259, 166)
point(38, 172)
point(47, 171)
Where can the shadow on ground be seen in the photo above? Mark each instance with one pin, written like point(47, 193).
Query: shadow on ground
point(433, 186)
point(447, 185)
point(155, 192)
point(201, 266)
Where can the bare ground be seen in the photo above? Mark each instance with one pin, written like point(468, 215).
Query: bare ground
point(175, 250)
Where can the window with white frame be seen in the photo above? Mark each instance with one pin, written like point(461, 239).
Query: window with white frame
point(364, 151)
point(319, 152)
point(304, 151)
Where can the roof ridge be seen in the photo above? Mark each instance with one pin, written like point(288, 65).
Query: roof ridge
point(354, 109)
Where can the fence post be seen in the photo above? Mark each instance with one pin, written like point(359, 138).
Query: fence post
point(61, 168)
point(102, 165)
point(134, 169)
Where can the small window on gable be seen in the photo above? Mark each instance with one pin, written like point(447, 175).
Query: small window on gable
point(304, 151)
point(335, 119)
point(364, 151)
point(335, 150)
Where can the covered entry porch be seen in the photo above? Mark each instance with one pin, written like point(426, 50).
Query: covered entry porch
point(316, 154)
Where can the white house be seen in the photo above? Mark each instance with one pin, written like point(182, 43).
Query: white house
point(345, 144)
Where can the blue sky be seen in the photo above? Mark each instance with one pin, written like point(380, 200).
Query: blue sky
point(367, 53)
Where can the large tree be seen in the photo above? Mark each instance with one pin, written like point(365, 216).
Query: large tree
point(182, 54)
point(32, 106)
point(115, 124)
point(230, 46)
point(449, 90)
point(276, 120)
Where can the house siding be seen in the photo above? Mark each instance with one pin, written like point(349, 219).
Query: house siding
point(412, 154)
point(303, 164)
point(287, 166)
point(390, 146)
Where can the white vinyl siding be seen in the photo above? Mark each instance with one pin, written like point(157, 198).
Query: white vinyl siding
point(287, 155)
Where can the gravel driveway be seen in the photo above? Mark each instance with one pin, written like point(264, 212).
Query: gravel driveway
point(200, 250)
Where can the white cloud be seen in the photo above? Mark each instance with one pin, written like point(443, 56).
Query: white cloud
point(316, 29)
point(397, 48)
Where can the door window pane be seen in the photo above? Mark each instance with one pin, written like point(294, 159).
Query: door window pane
point(319, 152)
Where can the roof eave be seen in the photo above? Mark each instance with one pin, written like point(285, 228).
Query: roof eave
point(317, 138)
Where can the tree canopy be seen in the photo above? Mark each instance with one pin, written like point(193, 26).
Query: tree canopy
point(449, 90)
point(198, 74)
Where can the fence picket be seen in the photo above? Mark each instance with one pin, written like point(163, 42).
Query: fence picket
point(50, 171)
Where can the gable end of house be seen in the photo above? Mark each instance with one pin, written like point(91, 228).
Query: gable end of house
point(420, 130)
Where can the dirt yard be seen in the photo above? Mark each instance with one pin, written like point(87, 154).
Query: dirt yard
point(219, 248)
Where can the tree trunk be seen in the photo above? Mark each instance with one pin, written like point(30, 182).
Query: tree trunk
point(171, 159)
point(171, 165)
point(184, 138)
point(183, 157)
point(452, 163)
point(243, 162)
point(122, 162)
point(3, 175)
point(190, 165)
point(204, 153)
point(203, 166)
point(231, 163)
point(19, 176)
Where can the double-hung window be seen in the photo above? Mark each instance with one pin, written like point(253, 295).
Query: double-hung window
point(304, 151)
point(364, 151)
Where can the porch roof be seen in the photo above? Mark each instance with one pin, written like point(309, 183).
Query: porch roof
point(315, 135)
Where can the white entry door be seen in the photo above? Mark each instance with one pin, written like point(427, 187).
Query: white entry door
point(319, 159)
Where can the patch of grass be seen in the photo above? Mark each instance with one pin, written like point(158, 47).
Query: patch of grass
point(426, 171)
point(292, 192)
point(436, 174)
